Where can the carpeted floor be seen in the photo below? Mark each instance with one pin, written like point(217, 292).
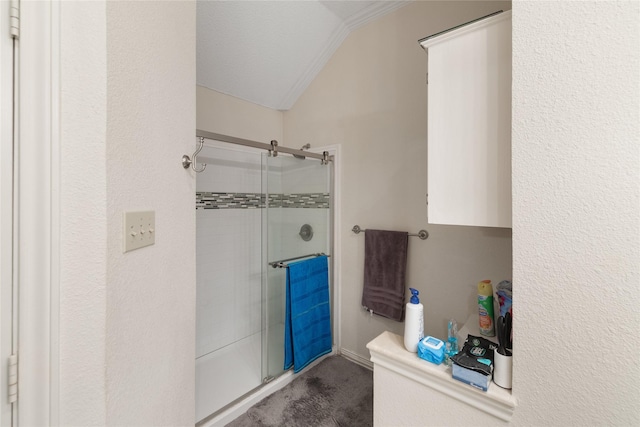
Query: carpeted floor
point(336, 392)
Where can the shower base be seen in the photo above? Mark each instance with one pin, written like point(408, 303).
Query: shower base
point(225, 374)
point(232, 373)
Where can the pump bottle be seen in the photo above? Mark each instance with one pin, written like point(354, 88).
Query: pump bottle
point(413, 322)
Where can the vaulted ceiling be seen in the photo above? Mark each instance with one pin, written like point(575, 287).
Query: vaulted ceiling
point(267, 52)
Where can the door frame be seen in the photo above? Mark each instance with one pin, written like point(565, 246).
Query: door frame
point(6, 211)
point(36, 215)
point(39, 214)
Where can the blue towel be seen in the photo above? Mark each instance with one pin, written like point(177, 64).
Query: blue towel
point(307, 325)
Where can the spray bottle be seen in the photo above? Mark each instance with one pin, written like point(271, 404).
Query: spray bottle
point(485, 308)
point(413, 322)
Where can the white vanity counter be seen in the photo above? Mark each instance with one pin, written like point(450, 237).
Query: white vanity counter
point(410, 391)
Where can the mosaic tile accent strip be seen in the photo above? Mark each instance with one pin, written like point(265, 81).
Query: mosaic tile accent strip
point(299, 200)
point(210, 200)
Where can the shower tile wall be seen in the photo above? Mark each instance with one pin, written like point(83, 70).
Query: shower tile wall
point(229, 277)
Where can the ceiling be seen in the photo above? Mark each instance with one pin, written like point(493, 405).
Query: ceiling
point(268, 52)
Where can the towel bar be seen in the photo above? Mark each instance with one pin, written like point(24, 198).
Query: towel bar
point(281, 263)
point(422, 234)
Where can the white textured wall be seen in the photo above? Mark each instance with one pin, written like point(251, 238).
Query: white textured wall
point(150, 335)
point(371, 97)
point(576, 212)
point(83, 213)
point(127, 115)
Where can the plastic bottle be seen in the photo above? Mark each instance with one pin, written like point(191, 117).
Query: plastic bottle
point(447, 353)
point(413, 322)
point(485, 308)
point(452, 336)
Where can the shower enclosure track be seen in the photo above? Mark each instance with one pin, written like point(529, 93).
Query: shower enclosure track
point(272, 148)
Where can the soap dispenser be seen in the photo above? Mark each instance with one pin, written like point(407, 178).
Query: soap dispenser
point(413, 322)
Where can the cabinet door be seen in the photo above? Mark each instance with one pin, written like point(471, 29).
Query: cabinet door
point(469, 124)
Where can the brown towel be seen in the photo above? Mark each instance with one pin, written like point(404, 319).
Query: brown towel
point(385, 264)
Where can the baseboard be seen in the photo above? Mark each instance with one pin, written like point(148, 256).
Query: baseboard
point(356, 358)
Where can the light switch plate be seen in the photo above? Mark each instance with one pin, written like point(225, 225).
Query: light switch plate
point(139, 230)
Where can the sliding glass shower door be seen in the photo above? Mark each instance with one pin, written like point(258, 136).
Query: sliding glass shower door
point(251, 209)
point(229, 272)
point(296, 222)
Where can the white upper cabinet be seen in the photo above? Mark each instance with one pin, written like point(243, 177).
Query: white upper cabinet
point(469, 124)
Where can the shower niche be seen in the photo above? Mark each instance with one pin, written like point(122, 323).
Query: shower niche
point(250, 207)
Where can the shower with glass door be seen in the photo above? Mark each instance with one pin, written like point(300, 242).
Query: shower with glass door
point(256, 210)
